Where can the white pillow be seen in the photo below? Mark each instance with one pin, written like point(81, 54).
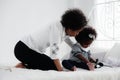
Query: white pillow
point(113, 56)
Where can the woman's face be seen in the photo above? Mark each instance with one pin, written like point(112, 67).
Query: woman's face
point(72, 32)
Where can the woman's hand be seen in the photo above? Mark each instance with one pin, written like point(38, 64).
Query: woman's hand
point(58, 65)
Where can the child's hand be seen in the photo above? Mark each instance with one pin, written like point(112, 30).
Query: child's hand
point(91, 66)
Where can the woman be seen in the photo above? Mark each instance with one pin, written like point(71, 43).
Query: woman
point(31, 49)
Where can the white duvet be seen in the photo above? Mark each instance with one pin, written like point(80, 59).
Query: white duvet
point(104, 73)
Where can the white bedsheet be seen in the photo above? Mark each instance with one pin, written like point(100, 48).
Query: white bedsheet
point(104, 73)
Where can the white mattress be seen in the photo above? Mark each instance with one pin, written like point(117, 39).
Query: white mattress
point(104, 73)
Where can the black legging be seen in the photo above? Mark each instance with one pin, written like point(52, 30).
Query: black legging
point(68, 64)
point(32, 59)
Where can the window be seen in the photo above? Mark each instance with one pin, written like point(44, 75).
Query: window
point(107, 19)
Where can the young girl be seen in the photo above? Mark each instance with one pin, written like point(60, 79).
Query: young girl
point(30, 50)
point(80, 56)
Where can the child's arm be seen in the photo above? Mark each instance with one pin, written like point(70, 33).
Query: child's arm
point(82, 58)
point(92, 60)
point(90, 65)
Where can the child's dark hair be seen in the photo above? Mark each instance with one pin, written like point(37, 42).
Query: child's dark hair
point(73, 19)
point(87, 34)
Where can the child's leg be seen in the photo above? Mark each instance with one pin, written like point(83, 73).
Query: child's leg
point(82, 65)
point(74, 68)
point(69, 65)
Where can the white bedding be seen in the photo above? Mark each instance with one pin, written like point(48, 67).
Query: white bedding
point(104, 73)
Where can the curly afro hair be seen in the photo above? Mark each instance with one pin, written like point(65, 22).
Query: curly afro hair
point(73, 19)
point(84, 35)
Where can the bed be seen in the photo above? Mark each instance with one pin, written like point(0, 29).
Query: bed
point(111, 72)
point(104, 73)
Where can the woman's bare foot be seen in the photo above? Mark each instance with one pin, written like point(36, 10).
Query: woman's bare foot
point(20, 65)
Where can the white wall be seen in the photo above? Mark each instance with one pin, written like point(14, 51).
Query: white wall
point(20, 17)
point(85, 5)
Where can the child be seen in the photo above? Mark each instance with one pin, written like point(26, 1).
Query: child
point(80, 56)
point(30, 50)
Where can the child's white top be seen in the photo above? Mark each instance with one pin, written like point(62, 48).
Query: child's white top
point(48, 36)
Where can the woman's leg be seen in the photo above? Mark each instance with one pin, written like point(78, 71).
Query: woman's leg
point(32, 59)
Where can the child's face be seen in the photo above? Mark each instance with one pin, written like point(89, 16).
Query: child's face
point(72, 32)
point(86, 44)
